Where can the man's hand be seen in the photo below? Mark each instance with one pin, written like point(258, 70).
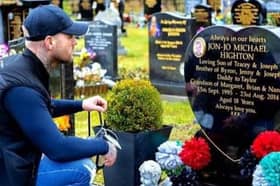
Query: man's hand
point(111, 156)
point(95, 103)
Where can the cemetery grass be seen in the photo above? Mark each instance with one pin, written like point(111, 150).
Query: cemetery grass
point(176, 113)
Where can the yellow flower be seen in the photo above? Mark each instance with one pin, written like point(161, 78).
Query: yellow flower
point(63, 123)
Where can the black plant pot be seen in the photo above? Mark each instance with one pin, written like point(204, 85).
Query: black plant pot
point(136, 148)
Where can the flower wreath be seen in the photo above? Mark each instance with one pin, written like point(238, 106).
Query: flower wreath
point(182, 161)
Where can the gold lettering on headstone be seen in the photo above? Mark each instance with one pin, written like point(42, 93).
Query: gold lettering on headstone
point(168, 44)
point(170, 68)
point(167, 36)
point(168, 57)
point(246, 14)
point(237, 70)
point(167, 26)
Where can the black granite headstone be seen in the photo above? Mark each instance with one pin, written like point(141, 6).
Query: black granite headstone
point(34, 3)
point(203, 15)
point(86, 10)
point(101, 38)
point(232, 78)
point(100, 6)
point(13, 17)
point(248, 12)
point(169, 36)
point(151, 7)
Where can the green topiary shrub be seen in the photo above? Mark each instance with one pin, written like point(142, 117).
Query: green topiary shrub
point(133, 106)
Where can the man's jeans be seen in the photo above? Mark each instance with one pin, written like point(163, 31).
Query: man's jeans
point(74, 173)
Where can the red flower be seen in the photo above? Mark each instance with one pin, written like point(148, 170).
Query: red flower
point(266, 142)
point(195, 153)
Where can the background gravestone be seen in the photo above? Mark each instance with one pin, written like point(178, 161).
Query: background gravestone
point(86, 10)
point(111, 16)
point(13, 17)
point(190, 4)
point(101, 38)
point(248, 12)
point(151, 7)
point(100, 6)
point(232, 78)
point(169, 36)
point(203, 15)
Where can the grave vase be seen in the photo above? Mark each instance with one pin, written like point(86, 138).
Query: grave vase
point(136, 148)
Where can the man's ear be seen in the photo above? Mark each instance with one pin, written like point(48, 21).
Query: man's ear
point(49, 42)
point(25, 31)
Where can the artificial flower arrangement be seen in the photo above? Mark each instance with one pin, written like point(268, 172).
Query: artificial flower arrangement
point(89, 75)
point(63, 123)
point(182, 162)
point(86, 70)
point(262, 160)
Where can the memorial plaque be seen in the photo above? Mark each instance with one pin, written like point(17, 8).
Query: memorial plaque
point(169, 36)
point(232, 78)
point(101, 38)
point(248, 12)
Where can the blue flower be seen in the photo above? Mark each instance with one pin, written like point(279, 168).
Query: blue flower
point(271, 168)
